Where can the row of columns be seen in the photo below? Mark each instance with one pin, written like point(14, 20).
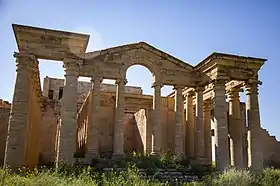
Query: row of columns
point(198, 127)
point(200, 124)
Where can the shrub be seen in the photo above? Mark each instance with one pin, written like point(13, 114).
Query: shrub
point(233, 177)
point(271, 177)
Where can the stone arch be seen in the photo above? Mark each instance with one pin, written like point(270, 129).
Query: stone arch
point(153, 68)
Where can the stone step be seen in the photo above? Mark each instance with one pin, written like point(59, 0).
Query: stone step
point(162, 175)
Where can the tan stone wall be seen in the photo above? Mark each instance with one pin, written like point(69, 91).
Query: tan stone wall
point(141, 119)
point(271, 149)
point(168, 122)
point(48, 135)
point(32, 144)
point(83, 121)
point(4, 121)
point(83, 88)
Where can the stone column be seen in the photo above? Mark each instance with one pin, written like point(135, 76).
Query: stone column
point(119, 119)
point(190, 125)
point(179, 123)
point(18, 121)
point(93, 141)
point(207, 132)
point(235, 130)
point(220, 125)
point(199, 129)
point(244, 133)
point(255, 154)
point(67, 139)
point(157, 126)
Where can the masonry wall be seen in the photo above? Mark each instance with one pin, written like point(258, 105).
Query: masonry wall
point(48, 135)
point(4, 121)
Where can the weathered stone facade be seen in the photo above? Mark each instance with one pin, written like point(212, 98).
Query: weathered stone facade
point(71, 118)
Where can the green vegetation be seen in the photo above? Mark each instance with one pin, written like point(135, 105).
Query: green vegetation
point(77, 176)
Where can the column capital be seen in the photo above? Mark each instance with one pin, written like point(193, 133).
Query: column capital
point(190, 93)
point(121, 80)
point(218, 83)
point(155, 84)
point(25, 61)
point(233, 93)
point(96, 78)
point(178, 87)
point(72, 66)
point(251, 86)
point(207, 105)
point(199, 89)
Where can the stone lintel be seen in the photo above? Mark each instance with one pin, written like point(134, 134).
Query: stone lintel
point(231, 60)
point(48, 43)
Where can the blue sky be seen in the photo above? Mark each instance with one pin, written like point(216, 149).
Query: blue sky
point(189, 30)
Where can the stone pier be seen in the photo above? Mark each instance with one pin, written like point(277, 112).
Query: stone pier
point(119, 119)
point(199, 129)
point(190, 128)
point(157, 128)
point(179, 124)
point(207, 132)
point(235, 130)
point(93, 139)
point(220, 125)
point(255, 153)
point(67, 138)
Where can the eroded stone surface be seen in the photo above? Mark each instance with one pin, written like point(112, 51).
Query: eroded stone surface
point(79, 119)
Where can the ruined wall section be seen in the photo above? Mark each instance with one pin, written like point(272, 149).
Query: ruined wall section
point(32, 145)
point(271, 149)
point(83, 124)
point(53, 89)
point(168, 122)
point(48, 135)
point(141, 119)
point(4, 121)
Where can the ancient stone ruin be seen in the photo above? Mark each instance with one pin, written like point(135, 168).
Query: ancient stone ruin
point(68, 118)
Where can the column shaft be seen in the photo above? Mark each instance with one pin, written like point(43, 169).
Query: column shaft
point(190, 125)
point(179, 132)
point(255, 154)
point(199, 129)
point(207, 132)
point(67, 139)
point(220, 125)
point(157, 128)
point(15, 150)
point(93, 141)
point(119, 118)
point(235, 130)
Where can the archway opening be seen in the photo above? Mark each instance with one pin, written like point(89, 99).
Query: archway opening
point(139, 101)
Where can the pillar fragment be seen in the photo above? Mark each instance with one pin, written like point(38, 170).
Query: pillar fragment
point(67, 139)
point(157, 128)
point(93, 141)
point(119, 118)
point(255, 154)
point(220, 125)
point(179, 123)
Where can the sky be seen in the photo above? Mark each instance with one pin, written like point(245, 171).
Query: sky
point(188, 30)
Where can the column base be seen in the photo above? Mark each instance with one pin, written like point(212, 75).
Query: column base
point(116, 156)
point(89, 158)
